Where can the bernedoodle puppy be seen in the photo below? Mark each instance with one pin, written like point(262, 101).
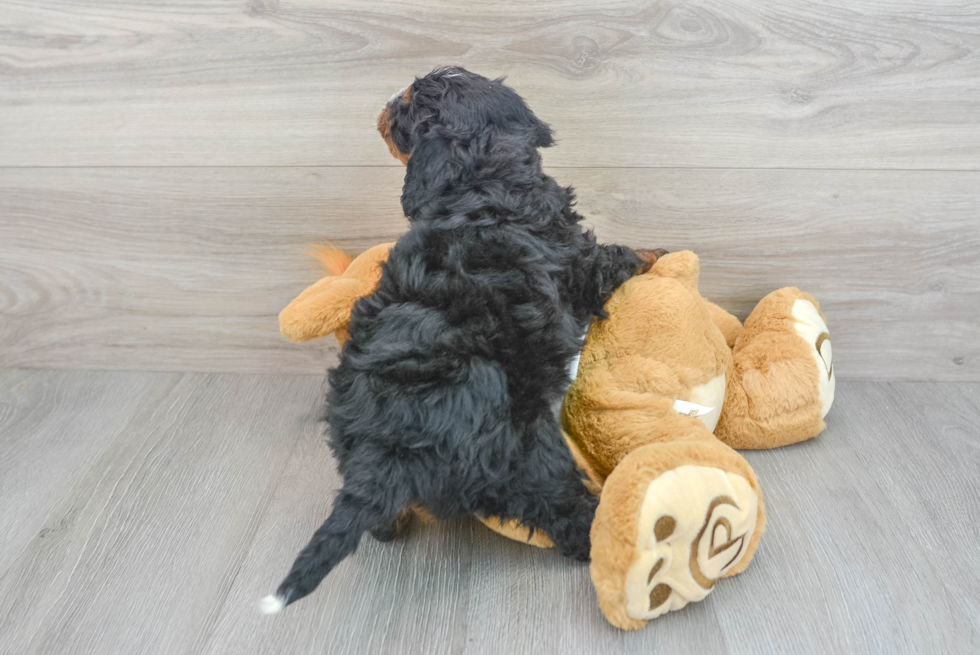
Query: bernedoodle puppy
point(446, 391)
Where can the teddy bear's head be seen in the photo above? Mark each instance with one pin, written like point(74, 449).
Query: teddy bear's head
point(659, 356)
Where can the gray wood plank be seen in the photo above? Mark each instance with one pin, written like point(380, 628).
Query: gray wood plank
point(54, 426)
point(527, 600)
point(856, 558)
point(186, 269)
point(170, 534)
point(452, 587)
point(930, 475)
point(140, 552)
point(172, 269)
point(846, 83)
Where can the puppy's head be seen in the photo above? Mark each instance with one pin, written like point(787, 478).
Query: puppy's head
point(454, 105)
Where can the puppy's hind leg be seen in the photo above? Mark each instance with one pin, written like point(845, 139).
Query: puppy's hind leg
point(556, 499)
point(565, 513)
point(372, 496)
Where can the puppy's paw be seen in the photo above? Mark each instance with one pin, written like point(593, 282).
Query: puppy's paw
point(578, 548)
point(572, 535)
point(391, 530)
point(649, 258)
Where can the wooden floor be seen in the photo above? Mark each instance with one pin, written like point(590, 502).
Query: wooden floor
point(148, 512)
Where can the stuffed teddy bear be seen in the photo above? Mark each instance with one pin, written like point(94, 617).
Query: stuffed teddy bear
point(666, 387)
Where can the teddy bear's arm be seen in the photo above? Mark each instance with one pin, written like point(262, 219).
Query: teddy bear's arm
point(325, 307)
point(730, 326)
point(322, 308)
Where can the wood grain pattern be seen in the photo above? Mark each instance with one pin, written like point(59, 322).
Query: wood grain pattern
point(740, 83)
point(186, 269)
point(179, 521)
point(39, 465)
point(141, 548)
point(172, 269)
point(854, 535)
point(373, 588)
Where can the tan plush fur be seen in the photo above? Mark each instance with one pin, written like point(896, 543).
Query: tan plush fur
point(730, 326)
point(772, 396)
point(631, 370)
point(333, 260)
point(661, 343)
point(615, 526)
point(325, 307)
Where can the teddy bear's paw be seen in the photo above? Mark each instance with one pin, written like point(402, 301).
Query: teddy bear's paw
point(695, 526)
point(811, 327)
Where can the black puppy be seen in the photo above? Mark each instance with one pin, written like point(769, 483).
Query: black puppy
point(445, 394)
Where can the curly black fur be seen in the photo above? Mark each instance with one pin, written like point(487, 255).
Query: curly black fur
point(445, 393)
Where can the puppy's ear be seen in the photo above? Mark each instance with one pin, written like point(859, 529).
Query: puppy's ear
point(430, 168)
point(543, 136)
point(510, 114)
point(402, 124)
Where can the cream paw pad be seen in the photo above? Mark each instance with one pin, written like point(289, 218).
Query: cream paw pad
point(812, 328)
point(694, 526)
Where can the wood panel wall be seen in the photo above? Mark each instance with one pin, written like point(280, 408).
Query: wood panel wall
point(162, 165)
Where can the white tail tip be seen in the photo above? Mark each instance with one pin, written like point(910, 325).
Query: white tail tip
point(271, 605)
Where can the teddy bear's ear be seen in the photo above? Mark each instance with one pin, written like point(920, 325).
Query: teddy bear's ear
point(683, 266)
point(322, 308)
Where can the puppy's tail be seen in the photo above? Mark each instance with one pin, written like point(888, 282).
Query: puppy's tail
point(331, 543)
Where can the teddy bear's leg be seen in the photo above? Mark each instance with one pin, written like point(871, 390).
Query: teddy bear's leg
point(782, 380)
point(674, 519)
point(322, 308)
point(730, 326)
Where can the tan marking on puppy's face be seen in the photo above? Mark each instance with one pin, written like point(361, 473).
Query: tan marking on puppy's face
point(384, 125)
